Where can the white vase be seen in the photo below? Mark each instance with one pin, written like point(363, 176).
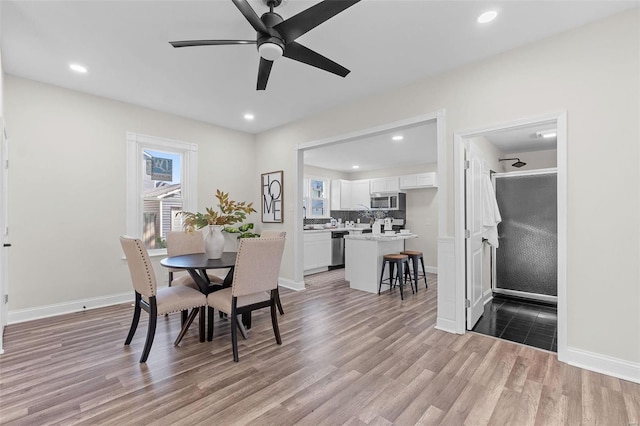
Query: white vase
point(214, 242)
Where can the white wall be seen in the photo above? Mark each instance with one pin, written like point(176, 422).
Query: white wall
point(68, 188)
point(592, 73)
point(324, 173)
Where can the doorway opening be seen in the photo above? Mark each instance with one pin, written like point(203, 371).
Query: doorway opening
point(334, 145)
point(511, 230)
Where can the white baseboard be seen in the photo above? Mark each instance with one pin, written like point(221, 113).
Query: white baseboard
point(22, 315)
point(446, 325)
point(290, 284)
point(487, 296)
point(316, 270)
point(431, 269)
point(610, 366)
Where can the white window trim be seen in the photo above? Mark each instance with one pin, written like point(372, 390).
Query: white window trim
point(136, 143)
point(327, 198)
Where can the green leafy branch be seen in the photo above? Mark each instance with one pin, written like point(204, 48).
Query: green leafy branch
point(230, 212)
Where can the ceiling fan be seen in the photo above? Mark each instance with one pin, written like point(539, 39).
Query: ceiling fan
point(276, 36)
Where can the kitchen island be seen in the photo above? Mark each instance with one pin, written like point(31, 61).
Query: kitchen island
point(363, 258)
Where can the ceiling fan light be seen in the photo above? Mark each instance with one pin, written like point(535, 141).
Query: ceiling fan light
point(270, 51)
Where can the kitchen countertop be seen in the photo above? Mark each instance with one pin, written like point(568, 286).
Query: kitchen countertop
point(334, 230)
point(380, 237)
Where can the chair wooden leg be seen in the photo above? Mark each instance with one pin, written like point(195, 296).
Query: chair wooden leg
point(201, 324)
point(279, 303)
point(186, 325)
point(183, 318)
point(241, 327)
point(135, 320)
point(151, 331)
point(274, 322)
point(209, 324)
point(246, 320)
point(234, 329)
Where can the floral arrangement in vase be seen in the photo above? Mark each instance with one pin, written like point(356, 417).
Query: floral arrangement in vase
point(372, 215)
point(229, 212)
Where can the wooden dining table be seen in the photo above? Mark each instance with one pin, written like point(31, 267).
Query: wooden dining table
point(197, 264)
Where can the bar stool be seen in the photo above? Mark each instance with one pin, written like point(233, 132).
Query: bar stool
point(395, 260)
point(414, 256)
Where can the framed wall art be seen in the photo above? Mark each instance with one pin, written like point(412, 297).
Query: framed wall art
point(272, 193)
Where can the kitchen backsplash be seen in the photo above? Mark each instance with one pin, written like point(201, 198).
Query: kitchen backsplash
point(350, 215)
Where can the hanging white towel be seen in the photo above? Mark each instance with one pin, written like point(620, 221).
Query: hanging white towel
point(490, 213)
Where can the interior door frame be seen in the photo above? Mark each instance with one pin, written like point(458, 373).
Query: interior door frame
point(4, 230)
point(560, 119)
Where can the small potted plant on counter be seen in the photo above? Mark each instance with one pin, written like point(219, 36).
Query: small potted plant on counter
point(372, 215)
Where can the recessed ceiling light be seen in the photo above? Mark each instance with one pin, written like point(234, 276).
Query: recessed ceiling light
point(355, 167)
point(487, 17)
point(249, 116)
point(397, 137)
point(78, 68)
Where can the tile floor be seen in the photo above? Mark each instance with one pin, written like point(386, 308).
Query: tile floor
point(520, 321)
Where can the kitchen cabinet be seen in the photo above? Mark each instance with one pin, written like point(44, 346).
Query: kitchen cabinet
point(419, 180)
point(360, 197)
point(336, 191)
point(388, 184)
point(350, 194)
point(317, 251)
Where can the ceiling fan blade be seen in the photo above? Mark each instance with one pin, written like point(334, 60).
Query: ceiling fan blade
point(251, 15)
point(310, 18)
point(300, 53)
point(190, 43)
point(263, 73)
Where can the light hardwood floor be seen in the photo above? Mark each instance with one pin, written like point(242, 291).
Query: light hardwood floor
point(347, 357)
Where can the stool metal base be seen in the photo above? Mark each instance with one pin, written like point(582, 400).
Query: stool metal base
point(397, 261)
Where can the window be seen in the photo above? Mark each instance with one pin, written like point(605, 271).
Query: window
point(161, 181)
point(316, 197)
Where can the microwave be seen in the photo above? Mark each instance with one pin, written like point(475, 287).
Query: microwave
point(394, 201)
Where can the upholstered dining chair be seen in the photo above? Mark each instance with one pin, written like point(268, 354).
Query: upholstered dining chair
point(155, 301)
point(180, 243)
point(255, 285)
point(275, 234)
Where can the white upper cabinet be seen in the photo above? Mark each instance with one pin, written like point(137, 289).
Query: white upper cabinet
point(388, 184)
point(336, 192)
point(360, 196)
point(419, 180)
point(350, 194)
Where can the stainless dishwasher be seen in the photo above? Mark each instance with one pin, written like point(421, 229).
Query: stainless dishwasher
point(337, 247)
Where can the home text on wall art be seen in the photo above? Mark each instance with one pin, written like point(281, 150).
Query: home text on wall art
point(272, 194)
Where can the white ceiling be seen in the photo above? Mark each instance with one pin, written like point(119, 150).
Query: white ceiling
point(385, 44)
point(523, 139)
point(418, 146)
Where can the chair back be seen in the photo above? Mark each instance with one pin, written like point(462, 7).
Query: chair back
point(180, 243)
point(273, 234)
point(257, 265)
point(142, 275)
